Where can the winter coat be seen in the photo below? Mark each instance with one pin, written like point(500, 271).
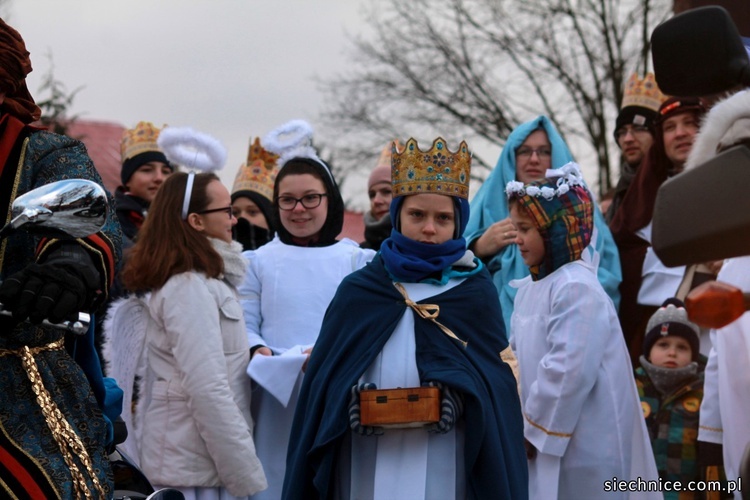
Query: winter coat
point(672, 422)
point(196, 423)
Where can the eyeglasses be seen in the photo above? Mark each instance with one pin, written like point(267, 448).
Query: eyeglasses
point(311, 200)
point(526, 152)
point(633, 129)
point(228, 210)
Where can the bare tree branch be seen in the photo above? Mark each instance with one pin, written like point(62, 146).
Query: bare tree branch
point(475, 69)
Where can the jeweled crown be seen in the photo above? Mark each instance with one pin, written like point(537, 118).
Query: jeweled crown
point(644, 93)
point(258, 173)
point(438, 170)
point(139, 140)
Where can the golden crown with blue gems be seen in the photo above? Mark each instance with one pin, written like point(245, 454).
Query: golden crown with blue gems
point(438, 170)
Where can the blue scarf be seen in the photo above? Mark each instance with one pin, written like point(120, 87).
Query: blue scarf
point(411, 261)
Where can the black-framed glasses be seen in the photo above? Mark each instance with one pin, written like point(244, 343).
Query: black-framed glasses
point(311, 200)
point(526, 152)
point(633, 129)
point(228, 210)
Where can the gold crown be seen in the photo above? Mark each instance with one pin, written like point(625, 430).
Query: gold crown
point(385, 154)
point(644, 93)
point(258, 173)
point(438, 170)
point(139, 140)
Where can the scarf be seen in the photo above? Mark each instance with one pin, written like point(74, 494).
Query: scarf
point(376, 231)
point(668, 380)
point(14, 66)
point(235, 264)
point(411, 261)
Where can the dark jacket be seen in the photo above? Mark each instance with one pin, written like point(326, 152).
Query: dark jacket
point(672, 422)
point(359, 321)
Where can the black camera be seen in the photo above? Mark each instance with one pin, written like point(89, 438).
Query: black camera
point(702, 214)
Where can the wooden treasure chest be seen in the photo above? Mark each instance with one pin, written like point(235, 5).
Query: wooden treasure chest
point(409, 407)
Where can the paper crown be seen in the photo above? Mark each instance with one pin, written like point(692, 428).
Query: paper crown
point(438, 170)
point(643, 93)
point(385, 154)
point(140, 139)
point(258, 173)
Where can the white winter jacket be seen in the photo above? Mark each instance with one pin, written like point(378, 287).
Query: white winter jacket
point(196, 423)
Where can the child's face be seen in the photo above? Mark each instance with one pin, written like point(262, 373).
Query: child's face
point(428, 218)
point(303, 223)
point(528, 239)
point(671, 352)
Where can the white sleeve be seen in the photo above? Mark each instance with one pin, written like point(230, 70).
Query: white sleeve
point(250, 292)
point(710, 429)
point(568, 371)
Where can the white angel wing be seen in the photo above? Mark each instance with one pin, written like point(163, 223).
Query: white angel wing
point(124, 355)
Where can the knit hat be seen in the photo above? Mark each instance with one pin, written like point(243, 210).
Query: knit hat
point(382, 171)
point(672, 319)
point(137, 147)
point(677, 105)
point(640, 102)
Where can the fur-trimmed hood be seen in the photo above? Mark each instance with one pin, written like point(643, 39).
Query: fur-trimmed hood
point(727, 123)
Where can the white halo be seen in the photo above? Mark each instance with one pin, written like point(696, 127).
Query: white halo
point(291, 136)
point(192, 149)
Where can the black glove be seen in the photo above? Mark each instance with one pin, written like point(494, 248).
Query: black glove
point(58, 289)
point(451, 408)
point(354, 412)
point(44, 291)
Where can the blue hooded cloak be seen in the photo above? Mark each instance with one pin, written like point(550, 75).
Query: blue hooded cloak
point(490, 205)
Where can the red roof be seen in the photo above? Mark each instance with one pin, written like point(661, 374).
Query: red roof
point(102, 140)
point(354, 226)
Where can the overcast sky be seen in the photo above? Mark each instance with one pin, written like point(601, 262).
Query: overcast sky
point(234, 69)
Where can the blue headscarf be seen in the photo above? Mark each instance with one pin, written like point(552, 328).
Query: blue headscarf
point(410, 261)
point(490, 205)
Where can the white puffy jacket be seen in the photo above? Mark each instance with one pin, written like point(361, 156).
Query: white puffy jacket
point(196, 423)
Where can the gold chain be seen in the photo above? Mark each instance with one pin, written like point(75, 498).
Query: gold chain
point(427, 311)
point(69, 442)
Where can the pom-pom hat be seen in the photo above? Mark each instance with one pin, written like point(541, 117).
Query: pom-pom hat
point(672, 319)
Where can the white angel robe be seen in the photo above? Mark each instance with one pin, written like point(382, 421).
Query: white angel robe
point(581, 407)
point(284, 296)
point(725, 410)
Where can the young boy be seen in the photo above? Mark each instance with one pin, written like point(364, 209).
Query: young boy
point(582, 426)
point(670, 384)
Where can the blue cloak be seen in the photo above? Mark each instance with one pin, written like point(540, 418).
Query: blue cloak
point(360, 319)
point(490, 205)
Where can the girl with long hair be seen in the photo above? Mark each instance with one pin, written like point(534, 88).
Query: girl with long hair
point(193, 416)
